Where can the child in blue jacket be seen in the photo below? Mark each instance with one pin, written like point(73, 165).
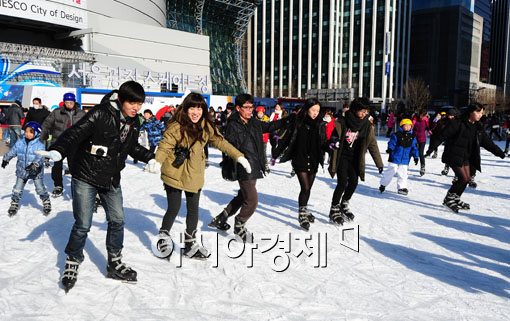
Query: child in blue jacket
point(401, 147)
point(29, 166)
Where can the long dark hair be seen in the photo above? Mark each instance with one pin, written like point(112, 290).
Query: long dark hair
point(303, 112)
point(194, 131)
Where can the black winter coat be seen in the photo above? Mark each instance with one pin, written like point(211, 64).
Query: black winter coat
point(305, 154)
point(101, 126)
point(247, 138)
point(462, 146)
point(37, 115)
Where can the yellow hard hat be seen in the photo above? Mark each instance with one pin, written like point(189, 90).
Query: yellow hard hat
point(406, 121)
point(443, 113)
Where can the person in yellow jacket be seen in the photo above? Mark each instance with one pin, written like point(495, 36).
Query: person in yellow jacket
point(182, 159)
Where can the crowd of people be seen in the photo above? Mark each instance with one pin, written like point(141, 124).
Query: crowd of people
point(97, 144)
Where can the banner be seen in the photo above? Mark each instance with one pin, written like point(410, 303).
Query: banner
point(64, 12)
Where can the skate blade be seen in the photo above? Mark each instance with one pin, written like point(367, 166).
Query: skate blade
point(114, 277)
point(335, 223)
point(451, 209)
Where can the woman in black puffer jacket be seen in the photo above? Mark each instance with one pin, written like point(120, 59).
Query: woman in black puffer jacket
point(463, 138)
point(306, 151)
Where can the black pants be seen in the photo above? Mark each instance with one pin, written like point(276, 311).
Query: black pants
point(464, 174)
point(247, 200)
point(306, 180)
point(173, 197)
point(347, 180)
point(206, 151)
point(56, 172)
point(421, 149)
point(507, 142)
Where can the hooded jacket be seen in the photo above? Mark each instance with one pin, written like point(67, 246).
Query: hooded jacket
point(462, 146)
point(190, 175)
point(403, 146)
point(25, 152)
point(59, 120)
point(101, 126)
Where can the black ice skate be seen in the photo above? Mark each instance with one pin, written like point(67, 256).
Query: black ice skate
point(220, 222)
point(382, 188)
point(472, 183)
point(346, 212)
point(435, 154)
point(13, 209)
point(450, 201)
point(422, 170)
point(193, 249)
point(118, 270)
point(241, 231)
point(335, 215)
point(70, 274)
point(445, 170)
point(57, 191)
point(46, 207)
point(463, 205)
point(304, 218)
point(403, 191)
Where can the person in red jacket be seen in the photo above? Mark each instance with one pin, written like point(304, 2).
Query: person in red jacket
point(420, 129)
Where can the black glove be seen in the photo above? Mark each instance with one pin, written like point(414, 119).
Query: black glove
point(416, 161)
point(380, 170)
point(33, 169)
point(389, 151)
point(334, 143)
point(4, 163)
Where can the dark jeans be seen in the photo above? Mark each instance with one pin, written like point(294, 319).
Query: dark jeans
point(421, 149)
point(84, 196)
point(306, 180)
point(347, 181)
point(173, 198)
point(247, 200)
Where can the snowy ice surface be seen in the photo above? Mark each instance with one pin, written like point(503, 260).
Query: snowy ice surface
point(416, 260)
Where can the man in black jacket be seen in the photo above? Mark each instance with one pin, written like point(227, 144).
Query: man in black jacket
point(245, 133)
point(104, 137)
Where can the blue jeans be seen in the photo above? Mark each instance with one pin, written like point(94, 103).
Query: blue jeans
point(84, 196)
point(40, 189)
point(14, 134)
point(5, 134)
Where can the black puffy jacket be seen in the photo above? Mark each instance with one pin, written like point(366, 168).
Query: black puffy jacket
point(247, 138)
point(101, 126)
point(462, 143)
point(306, 155)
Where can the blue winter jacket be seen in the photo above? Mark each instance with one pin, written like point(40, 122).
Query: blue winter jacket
point(26, 156)
point(154, 129)
point(402, 145)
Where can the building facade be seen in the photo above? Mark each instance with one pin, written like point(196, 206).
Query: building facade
point(100, 44)
point(446, 48)
point(298, 45)
point(500, 45)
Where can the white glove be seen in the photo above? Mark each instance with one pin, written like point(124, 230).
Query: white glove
point(52, 154)
point(244, 163)
point(153, 166)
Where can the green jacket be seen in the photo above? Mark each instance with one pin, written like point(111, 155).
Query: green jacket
point(189, 176)
point(368, 143)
